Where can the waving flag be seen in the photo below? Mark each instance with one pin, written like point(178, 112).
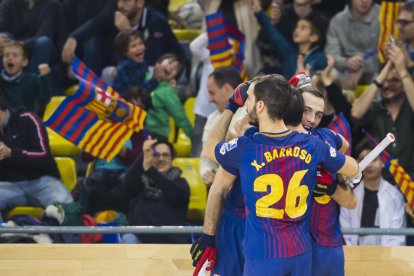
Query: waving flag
point(222, 52)
point(95, 117)
point(390, 9)
point(340, 125)
point(401, 177)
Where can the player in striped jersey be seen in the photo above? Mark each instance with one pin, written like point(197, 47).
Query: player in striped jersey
point(276, 161)
point(324, 220)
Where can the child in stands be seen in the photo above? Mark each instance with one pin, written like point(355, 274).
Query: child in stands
point(19, 87)
point(165, 100)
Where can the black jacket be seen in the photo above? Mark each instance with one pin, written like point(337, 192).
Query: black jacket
point(31, 158)
point(24, 24)
point(170, 209)
point(158, 36)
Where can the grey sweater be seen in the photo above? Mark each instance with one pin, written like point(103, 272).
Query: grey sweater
point(348, 37)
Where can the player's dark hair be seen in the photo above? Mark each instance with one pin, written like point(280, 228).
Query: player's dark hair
point(226, 75)
point(294, 110)
point(274, 91)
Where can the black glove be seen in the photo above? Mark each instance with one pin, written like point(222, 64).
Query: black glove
point(239, 97)
point(324, 183)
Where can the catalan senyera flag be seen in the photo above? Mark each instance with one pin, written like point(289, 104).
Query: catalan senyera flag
point(95, 117)
point(401, 177)
point(390, 9)
point(340, 125)
point(222, 52)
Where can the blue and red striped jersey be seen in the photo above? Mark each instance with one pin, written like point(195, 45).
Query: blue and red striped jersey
point(278, 175)
point(324, 220)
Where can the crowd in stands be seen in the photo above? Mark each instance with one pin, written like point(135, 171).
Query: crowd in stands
point(132, 46)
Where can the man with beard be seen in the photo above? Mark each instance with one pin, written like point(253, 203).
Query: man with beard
point(394, 113)
point(272, 164)
point(123, 15)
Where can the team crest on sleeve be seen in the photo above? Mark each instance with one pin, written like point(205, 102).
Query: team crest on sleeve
point(228, 146)
point(332, 151)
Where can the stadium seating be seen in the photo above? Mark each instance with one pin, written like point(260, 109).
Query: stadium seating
point(58, 145)
point(67, 170)
point(182, 145)
point(198, 191)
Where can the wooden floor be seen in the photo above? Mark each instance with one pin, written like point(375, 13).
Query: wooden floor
point(106, 259)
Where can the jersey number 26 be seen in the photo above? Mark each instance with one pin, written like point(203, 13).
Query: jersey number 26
point(294, 208)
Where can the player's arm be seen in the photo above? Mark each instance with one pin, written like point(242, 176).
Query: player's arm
point(345, 144)
point(204, 251)
point(219, 132)
point(349, 168)
point(345, 196)
point(222, 183)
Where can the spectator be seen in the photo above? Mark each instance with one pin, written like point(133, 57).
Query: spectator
point(393, 113)
point(101, 190)
point(28, 172)
point(202, 107)
point(238, 13)
point(94, 44)
point(35, 22)
point(329, 8)
point(159, 195)
point(221, 84)
point(123, 15)
point(308, 38)
point(406, 34)
point(290, 15)
point(165, 101)
point(132, 69)
point(352, 50)
point(22, 88)
point(272, 59)
point(160, 5)
point(379, 204)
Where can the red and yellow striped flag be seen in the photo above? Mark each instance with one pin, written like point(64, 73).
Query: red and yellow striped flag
point(390, 9)
point(95, 117)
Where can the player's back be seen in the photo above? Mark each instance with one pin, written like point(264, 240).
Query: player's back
point(278, 173)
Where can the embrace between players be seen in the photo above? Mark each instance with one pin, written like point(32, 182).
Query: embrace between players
point(285, 175)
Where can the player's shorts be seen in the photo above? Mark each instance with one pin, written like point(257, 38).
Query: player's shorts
point(327, 261)
point(294, 266)
point(229, 238)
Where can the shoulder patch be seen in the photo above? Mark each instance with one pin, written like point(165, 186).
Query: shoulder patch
point(228, 146)
point(332, 151)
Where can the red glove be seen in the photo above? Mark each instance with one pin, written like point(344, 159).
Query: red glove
point(300, 80)
point(239, 97)
point(204, 254)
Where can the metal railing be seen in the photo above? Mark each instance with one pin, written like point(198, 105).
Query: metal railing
point(171, 230)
